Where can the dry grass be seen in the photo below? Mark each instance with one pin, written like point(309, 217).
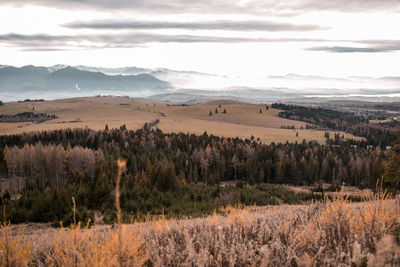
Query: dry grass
point(335, 233)
point(242, 114)
point(14, 250)
point(84, 246)
point(351, 191)
point(242, 120)
point(94, 112)
point(266, 135)
point(78, 246)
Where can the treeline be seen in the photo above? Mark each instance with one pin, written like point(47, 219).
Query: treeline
point(39, 166)
point(212, 159)
point(31, 100)
point(149, 186)
point(382, 134)
point(392, 168)
point(395, 106)
point(325, 117)
point(27, 117)
point(378, 134)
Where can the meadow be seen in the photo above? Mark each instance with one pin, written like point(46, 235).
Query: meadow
point(241, 120)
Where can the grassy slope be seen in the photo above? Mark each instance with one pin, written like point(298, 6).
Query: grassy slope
point(94, 113)
point(242, 120)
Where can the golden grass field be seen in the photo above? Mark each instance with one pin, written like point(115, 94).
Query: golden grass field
point(241, 120)
point(335, 233)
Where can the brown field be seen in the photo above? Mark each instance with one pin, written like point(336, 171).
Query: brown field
point(241, 120)
point(334, 233)
point(346, 190)
point(94, 112)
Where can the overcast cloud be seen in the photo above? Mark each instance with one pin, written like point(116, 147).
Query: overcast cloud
point(42, 42)
point(349, 49)
point(260, 37)
point(128, 40)
point(220, 6)
point(210, 25)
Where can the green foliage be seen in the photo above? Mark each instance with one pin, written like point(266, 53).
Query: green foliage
point(175, 174)
point(139, 199)
point(381, 134)
point(391, 176)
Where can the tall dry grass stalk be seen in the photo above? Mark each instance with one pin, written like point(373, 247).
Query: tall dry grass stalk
point(121, 167)
point(131, 248)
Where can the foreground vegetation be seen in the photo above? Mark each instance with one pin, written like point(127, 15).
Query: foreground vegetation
point(322, 234)
point(138, 203)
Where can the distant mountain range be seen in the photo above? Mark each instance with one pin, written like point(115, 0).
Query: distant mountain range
point(108, 71)
point(63, 81)
point(70, 79)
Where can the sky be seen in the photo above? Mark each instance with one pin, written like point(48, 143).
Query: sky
point(246, 38)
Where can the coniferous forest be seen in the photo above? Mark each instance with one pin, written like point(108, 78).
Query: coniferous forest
point(173, 174)
point(376, 134)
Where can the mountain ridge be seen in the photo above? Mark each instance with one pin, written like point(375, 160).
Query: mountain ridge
point(41, 79)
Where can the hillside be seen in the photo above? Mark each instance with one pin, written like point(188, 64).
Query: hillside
point(241, 119)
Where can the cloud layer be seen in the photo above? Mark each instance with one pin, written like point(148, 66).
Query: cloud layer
point(46, 42)
point(123, 40)
point(220, 6)
point(128, 33)
point(349, 49)
point(209, 25)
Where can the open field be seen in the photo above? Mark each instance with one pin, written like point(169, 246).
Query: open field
point(241, 120)
point(94, 112)
point(351, 191)
point(334, 233)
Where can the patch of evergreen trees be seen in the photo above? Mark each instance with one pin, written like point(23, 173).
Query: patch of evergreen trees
point(382, 134)
point(27, 117)
point(175, 173)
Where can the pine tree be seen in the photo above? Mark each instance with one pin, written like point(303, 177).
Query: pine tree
point(391, 176)
point(235, 162)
